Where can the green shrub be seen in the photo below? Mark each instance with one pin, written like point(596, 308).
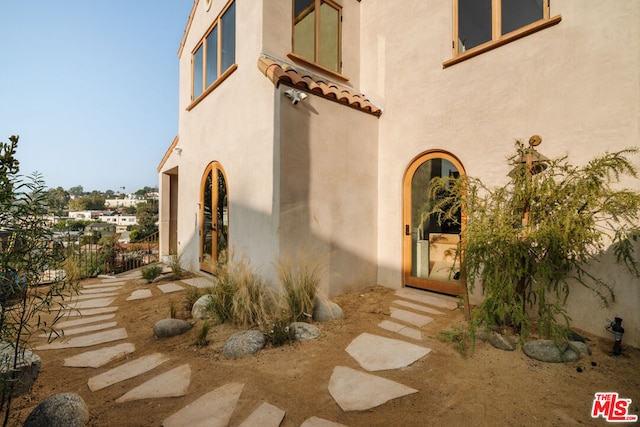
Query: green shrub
point(175, 264)
point(201, 338)
point(190, 298)
point(151, 271)
point(279, 332)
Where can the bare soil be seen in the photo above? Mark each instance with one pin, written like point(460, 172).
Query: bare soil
point(489, 387)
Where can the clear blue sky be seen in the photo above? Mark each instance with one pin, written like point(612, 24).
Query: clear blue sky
point(91, 88)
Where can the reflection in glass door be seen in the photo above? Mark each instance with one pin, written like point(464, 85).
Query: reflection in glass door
point(431, 257)
point(214, 219)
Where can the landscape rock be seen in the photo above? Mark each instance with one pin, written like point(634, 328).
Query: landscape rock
point(199, 309)
point(550, 351)
point(325, 310)
point(305, 331)
point(574, 336)
point(170, 327)
point(59, 410)
point(244, 343)
point(165, 277)
point(502, 342)
point(27, 368)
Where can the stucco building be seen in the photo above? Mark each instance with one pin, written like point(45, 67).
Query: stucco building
point(312, 127)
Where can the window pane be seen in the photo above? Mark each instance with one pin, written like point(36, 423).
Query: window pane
point(212, 56)
point(518, 13)
point(304, 33)
point(207, 221)
point(329, 37)
point(434, 244)
point(197, 72)
point(474, 23)
point(300, 6)
point(228, 38)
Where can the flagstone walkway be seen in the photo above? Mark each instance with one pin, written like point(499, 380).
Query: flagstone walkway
point(93, 330)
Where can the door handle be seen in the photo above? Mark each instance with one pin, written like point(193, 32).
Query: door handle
point(406, 230)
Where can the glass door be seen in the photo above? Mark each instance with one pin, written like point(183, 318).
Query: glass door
point(431, 258)
point(214, 219)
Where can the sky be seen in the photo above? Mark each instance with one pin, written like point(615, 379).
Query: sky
point(91, 88)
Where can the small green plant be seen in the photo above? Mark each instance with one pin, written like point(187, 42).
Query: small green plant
point(458, 337)
point(172, 310)
point(201, 337)
point(175, 264)
point(300, 284)
point(190, 298)
point(279, 332)
point(151, 271)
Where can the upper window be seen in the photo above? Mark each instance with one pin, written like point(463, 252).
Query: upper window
point(484, 24)
point(316, 32)
point(216, 52)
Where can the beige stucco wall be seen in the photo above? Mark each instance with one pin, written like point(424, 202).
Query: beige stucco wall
point(576, 84)
point(328, 190)
point(232, 125)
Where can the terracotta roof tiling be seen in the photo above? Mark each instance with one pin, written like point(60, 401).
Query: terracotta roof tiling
point(281, 72)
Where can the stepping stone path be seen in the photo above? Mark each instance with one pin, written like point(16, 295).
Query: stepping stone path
point(93, 323)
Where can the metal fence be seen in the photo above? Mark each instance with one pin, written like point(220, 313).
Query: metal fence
point(91, 259)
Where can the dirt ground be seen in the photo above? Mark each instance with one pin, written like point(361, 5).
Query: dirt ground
point(488, 388)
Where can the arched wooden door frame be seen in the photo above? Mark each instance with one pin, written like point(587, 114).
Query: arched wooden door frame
point(451, 287)
point(213, 231)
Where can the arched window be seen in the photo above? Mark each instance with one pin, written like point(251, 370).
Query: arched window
point(214, 218)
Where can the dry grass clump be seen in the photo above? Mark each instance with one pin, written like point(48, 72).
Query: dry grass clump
point(243, 298)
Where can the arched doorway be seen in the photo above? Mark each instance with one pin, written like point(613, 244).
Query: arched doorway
point(431, 258)
point(214, 218)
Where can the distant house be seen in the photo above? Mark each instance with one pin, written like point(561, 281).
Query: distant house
point(312, 128)
point(104, 228)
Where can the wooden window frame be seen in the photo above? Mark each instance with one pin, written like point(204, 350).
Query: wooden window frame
point(317, 40)
point(497, 38)
point(222, 74)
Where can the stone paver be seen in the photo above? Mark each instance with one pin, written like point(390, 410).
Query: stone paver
point(409, 317)
point(170, 287)
point(214, 409)
point(118, 284)
point(82, 329)
point(359, 391)
point(427, 298)
point(126, 371)
point(417, 307)
point(91, 303)
point(199, 282)
point(100, 290)
point(89, 311)
point(94, 296)
point(376, 353)
point(320, 422)
point(84, 321)
point(405, 330)
point(86, 340)
point(266, 415)
point(140, 294)
point(100, 357)
point(173, 383)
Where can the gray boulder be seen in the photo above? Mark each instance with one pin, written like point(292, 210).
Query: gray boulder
point(550, 351)
point(26, 371)
point(305, 331)
point(502, 342)
point(59, 410)
point(325, 310)
point(199, 309)
point(244, 343)
point(170, 327)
